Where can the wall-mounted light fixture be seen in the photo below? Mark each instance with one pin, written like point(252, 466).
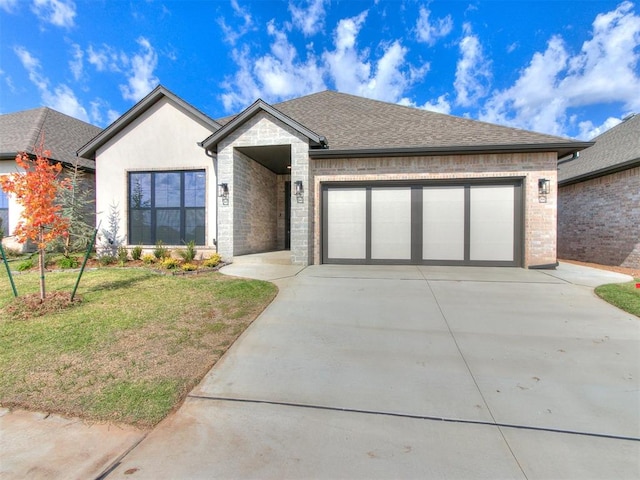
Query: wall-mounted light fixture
point(299, 190)
point(223, 193)
point(544, 186)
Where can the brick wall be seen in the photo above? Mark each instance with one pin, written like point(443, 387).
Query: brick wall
point(539, 218)
point(599, 220)
point(254, 209)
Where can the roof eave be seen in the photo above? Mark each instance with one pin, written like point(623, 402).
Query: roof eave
point(561, 148)
point(89, 149)
point(600, 173)
point(248, 113)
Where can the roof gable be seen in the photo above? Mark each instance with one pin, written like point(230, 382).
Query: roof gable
point(89, 149)
point(62, 134)
point(261, 106)
point(616, 149)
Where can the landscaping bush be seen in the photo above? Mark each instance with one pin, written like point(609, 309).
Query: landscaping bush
point(25, 265)
point(123, 254)
point(213, 261)
point(105, 260)
point(160, 252)
point(189, 253)
point(136, 252)
point(189, 267)
point(67, 262)
point(170, 263)
point(148, 259)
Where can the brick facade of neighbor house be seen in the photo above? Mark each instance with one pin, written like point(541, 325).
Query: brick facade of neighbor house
point(599, 220)
point(539, 218)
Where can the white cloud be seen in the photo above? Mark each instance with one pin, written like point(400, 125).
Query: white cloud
point(275, 76)
point(140, 77)
point(603, 72)
point(61, 98)
point(76, 64)
point(441, 105)
point(589, 131)
point(428, 32)
point(60, 13)
point(234, 32)
point(9, 6)
point(473, 74)
point(309, 20)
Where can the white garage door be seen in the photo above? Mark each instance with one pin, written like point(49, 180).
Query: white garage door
point(469, 224)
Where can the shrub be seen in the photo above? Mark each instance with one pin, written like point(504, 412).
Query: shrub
point(123, 254)
point(189, 253)
point(160, 251)
point(136, 252)
point(170, 263)
point(213, 261)
point(148, 259)
point(189, 267)
point(105, 260)
point(25, 265)
point(68, 262)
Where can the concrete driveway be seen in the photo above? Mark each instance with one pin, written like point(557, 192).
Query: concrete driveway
point(414, 372)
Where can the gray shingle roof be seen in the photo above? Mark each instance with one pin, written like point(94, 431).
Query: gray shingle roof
point(63, 135)
point(615, 149)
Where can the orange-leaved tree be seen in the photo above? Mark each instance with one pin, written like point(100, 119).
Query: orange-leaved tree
point(36, 191)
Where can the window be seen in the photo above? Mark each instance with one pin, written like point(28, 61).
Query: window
point(167, 206)
point(4, 212)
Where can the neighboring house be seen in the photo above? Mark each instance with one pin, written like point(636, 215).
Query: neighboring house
point(335, 178)
point(599, 199)
point(24, 131)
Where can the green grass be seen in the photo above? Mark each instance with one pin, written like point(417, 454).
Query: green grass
point(623, 295)
point(130, 350)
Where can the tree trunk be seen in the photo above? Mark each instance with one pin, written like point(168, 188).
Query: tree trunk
point(41, 264)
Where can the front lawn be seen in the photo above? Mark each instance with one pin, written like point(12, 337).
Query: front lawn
point(623, 295)
point(130, 350)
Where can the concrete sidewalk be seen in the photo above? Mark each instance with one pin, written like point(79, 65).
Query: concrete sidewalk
point(388, 372)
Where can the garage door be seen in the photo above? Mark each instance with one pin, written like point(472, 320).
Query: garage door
point(446, 224)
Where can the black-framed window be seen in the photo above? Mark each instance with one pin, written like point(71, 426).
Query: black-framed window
point(167, 206)
point(4, 212)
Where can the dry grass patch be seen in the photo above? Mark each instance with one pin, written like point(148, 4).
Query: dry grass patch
point(131, 350)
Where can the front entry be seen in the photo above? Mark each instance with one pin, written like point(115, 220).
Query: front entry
point(287, 215)
point(471, 223)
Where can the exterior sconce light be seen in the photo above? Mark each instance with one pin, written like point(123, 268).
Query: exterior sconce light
point(223, 193)
point(544, 186)
point(299, 189)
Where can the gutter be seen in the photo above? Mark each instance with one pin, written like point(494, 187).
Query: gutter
point(569, 147)
point(600, 173)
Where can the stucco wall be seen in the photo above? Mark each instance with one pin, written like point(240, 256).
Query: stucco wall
point(539, 218)
point(599, 220)
point(162, 138)
point(15, 210)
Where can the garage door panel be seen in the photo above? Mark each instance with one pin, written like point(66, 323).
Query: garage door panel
point(491, 225)
point(443, 223)
point(346, 223)
point(391, 223)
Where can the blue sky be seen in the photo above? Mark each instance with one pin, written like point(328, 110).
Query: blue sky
point(568, 68)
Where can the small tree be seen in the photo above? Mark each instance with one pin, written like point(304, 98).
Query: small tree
point(76, 202)
point(36, 190)
point(111, 238)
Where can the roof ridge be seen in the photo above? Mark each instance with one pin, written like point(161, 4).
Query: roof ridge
point(37, 128)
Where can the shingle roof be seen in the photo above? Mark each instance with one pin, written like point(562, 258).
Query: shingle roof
point(355, 123)
point(21, 131)
point(616, 149)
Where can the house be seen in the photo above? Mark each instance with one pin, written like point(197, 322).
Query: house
point(24, 131)
point(599, 199)
point(334, 178)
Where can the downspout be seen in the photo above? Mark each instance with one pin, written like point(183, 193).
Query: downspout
point(214, 157)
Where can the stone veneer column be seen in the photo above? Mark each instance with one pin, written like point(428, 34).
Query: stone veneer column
point(301, 212)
